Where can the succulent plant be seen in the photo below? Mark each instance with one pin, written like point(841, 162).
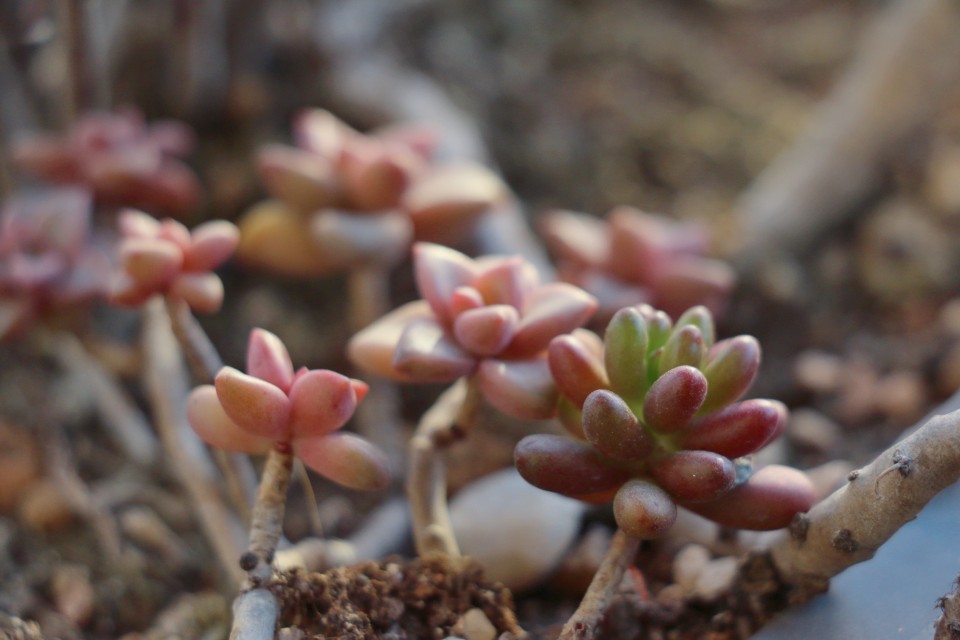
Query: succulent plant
point(48, 260)
point(343, 199)
point(120, 158)
point(635, 257)
point(273, 406)
point(657, 420)
point(489, 318)
point(165, 257)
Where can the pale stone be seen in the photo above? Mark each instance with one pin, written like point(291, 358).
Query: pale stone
point(715, 578)
point(517, 532)
point(688, 564)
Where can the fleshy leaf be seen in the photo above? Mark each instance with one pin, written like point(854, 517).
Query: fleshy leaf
point(731, 367)
point(685, 347)
point(674, 399)
point(643, 510)
point(321, 401)
point(487, 330)
point(566, 466)
point(255, 405)
point(768, 500)
point(625, 351)
point(152, 263)
point(211, 244)
point(736, 430)
point(694, 476)
point(372, 349)
point(346, 459)
point(268, 359)
point(505, 281)
point(203, 292)
point(210, 421)
point(549, 311)
point(701, 318)
point(519, 388)
point(439, 271)
point(426, 353)
point(577, 371)
point(611, 427)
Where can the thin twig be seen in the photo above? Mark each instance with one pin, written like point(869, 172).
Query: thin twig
point(266, 526)
point(166, 382)
point(852, 523)
point(205, 362)
point(447, 421)
point(126, 424)
point(586, 620)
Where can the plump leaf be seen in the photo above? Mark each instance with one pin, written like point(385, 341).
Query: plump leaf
point(736, 430)
point(203, 292)
point(211, 244)
point(372, 348)
point(519, 388)
point(563, 465)
point(701, 318)
point(268, 359)
point(549, 311)
point(684, 347)
point(576, 370)
point(486, 331)
point(214, 426)
point(731, 367)
point(611, 427)
point(674, 399)
point(346, 459)
point(625, 354)
point(694, 476)
point(439, 271)
point(644, 510)
point(426, 353)
point(321, 401)
point(255, 405)
point(768, 500)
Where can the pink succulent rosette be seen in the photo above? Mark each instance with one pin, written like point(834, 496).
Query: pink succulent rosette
point(48, 260)
point(120, 158)
point(633, 257)
point(489, 318)
point(164, 257)
point(344, 199)
point(272, 406)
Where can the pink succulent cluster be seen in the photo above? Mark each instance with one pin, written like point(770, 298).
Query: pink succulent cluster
point(634, 257)
point(271, 406)
point(344, 199)
point(120, 158)
point(489, 318)
point(656, 419)
point(48, 260)
point(165, 257)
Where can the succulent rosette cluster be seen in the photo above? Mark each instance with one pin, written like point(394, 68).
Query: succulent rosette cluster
point(120, 158)
point(273, 406)
point(343, 199)
point(48, 259)
point(164, 257)
point(656, 419)
point(489, 319)
point(633, 257)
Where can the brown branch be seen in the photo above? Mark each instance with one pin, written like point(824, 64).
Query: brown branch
point(166, 382)
point(266, 527)
point(585, 622)
point(125, 422)
point(902, 75)
point(850, 525)
point(443, 424)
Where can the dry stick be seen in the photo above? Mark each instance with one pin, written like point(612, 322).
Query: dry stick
point(205, 362)
point(447, 421)
point(369, 295)
point(850, 525)
point(904, 71)
point(126, 423)
point(586, 620)
point(166, 382)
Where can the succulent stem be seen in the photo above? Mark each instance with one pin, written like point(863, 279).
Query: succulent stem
point(266, 525)
point(447, 421)
point(585, 622)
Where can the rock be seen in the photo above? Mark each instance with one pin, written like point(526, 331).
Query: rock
point(715, 578)
point(818, 371)
point(809, 429)
point(474, 625)
point(517, 532)
point(688, 564)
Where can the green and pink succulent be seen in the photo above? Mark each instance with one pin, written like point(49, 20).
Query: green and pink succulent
point(656, 421)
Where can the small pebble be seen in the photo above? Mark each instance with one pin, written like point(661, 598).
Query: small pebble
point(818, 371)
point(517, 532)
point(72, 593)
point(715, 578)
point(688, 565)
point(474, 625)
point(901, 395)
point(810, 429)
